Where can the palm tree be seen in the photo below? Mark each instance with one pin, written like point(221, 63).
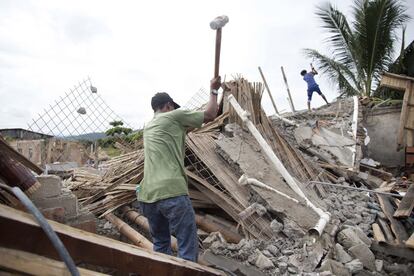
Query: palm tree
point(360, 50)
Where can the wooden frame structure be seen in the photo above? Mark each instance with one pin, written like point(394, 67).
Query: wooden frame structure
point(406, 128)
point(21, 232)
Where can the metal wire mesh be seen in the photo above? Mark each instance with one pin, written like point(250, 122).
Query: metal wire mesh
point(198, 100)
point(254, 225)
point(75, 120)
point(81, 111)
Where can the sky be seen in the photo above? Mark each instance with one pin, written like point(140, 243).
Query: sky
point(133, 49)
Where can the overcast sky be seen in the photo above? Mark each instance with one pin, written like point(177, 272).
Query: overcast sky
point(132, 49)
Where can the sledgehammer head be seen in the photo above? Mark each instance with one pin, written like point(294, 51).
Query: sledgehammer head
point(219, 22)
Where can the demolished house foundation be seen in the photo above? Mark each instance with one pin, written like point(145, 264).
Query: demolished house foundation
point(257, 187)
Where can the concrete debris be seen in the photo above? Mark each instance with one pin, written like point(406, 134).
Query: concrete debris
point(379, 265)
point(349, 237)
point(354, 266)
point(273, 231)
point(364, 254)
point(276, 226)
point(336, 268)
point(341, 255)
point(263, 262)
point(213, 237)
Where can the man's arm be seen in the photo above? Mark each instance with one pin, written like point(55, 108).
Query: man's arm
point(210, 113)
point(313, 70)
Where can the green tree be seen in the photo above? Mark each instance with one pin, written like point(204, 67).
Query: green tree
point(118, 129)
point(360, 50)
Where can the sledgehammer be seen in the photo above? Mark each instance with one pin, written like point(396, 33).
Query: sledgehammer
point(217, 24)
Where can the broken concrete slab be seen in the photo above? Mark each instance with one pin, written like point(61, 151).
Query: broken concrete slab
point(51, 186)
point(243, 153)
point(68, 201)
point(348, 238)
point(354, 266)
point(263, 262)
point(230, 265)
point(341, 255)
point(336, 268)
point(322, 139)
point(364, 254)
point(309, 258)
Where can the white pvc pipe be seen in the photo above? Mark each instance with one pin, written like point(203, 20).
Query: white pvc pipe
point(286, 120)
point(324, 216)
point(354, 130)
point(243, 180)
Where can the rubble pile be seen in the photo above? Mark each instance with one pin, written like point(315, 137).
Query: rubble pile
point(258, 216)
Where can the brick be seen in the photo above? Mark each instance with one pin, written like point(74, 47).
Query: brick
point(56, 214)
point(85, 222)
point(67, 201)
point(51, 186)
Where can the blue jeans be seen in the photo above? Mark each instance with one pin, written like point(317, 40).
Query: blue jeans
point(173, 216)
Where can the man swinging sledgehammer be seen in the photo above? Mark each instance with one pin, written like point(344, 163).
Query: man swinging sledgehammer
point(312, 85)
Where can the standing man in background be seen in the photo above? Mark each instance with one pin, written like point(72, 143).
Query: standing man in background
point(312, 85)
point(163, 192)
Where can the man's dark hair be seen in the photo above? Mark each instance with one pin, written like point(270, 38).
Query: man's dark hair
point(303, 72)
point(160, 100)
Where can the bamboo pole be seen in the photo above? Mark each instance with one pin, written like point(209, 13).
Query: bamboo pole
point(209, 226)
point(268, 90)
point(288, 90)
point(135, 237)
point(142, 221)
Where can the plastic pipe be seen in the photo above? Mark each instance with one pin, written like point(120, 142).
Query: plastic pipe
point(243, 180)
point(354, 130)
point(50, 233)
point(324, 216)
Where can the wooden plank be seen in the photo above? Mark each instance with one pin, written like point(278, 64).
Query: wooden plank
point(6, 149)
point(378, 235)
point(386, 230)
point(395, 250)
point(33, 264)
point(90, 248)
point(268, 90)
point(396, 226)
point(404, 115)
point(393, 81)
point(406, 204)
point(409, 125)
point(410, 242)
point(399, 77)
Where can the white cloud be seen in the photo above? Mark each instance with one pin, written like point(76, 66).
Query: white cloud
point(132, 49)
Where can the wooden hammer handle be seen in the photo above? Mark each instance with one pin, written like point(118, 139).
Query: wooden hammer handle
point(218, 46)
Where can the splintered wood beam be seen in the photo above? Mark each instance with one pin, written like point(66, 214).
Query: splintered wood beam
point(406, 205)
point(396, 226)
point(378, 235)
point(23, 233)
point(396, 250)
point(33, 264)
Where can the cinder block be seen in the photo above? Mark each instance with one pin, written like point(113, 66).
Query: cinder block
point(85, 221)
point(56, 214)
point(51, 186)
point(67, 201)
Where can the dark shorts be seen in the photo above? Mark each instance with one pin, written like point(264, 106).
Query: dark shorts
point(313, 89)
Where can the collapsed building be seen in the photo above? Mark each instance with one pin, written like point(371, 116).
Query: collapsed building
point(294, 194)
